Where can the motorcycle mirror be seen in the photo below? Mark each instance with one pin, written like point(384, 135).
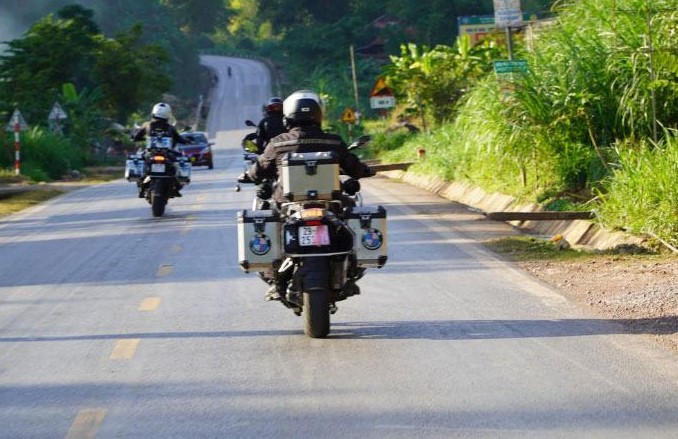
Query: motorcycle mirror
point(250, 146)
point(249, 123)
point(360, 142)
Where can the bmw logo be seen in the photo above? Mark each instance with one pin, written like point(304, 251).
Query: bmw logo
point(372, 239)
point(260, 245)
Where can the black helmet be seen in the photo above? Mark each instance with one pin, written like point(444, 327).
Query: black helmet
point(303, 108)
point(274, 105)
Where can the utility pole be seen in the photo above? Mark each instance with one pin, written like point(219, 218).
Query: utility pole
point(198, 113)
point(355, 84)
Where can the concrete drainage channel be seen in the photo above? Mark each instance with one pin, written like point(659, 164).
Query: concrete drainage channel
point(575, 227)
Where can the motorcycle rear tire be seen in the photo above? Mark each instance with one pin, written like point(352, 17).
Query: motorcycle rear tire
point(316, 313)
point(158, 202)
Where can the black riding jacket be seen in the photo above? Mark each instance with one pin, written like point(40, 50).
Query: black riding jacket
point(269, 127)
point(308, 138)
point(158, 127)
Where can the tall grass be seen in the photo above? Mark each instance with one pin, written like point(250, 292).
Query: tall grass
point(45, 155)
point(641, 195)
point(553, 132)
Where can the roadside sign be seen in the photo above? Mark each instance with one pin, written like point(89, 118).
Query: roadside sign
point(349, 116)
point(507, 13)
point(57, 112)
point(16, 118)
point(510, 66)
point(382, 102)
point(381, 89)
point(381, 96)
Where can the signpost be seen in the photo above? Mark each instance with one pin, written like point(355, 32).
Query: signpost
point(349, 117)
point(55, 116)
point(507, 15)
point(510, 66)
point(381, 96)
point(16, 124)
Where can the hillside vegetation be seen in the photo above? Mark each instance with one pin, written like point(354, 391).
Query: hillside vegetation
point(591, 125)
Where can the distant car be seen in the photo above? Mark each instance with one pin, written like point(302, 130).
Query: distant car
point(199, 151)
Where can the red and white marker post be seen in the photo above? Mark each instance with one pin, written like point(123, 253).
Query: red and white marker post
point(17, 147)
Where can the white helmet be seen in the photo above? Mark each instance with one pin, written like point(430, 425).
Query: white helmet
point(161, 110)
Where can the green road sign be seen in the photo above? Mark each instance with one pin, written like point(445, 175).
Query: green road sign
point(510, 66)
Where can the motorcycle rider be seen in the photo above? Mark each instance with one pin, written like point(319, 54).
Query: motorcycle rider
point(303, 115)
point(272, 124)
point(159, 126)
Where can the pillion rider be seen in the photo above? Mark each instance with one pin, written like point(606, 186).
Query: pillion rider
point(302, 112)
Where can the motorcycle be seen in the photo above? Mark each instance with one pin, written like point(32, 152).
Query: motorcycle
point(159, 171)
point(322, 239)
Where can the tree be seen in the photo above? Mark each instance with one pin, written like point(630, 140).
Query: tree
point(68, 48)
point(55, 50)
point(129, 74)
point(197, 17)
point(432, 81)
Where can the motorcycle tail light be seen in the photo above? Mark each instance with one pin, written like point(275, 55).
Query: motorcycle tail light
point(313, 223)
point(159, 158)
point(314, 213)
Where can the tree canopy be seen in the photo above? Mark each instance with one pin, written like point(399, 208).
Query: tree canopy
point(68, 47)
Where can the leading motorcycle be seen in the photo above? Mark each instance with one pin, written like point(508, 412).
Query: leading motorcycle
point(321, 239)
point(159, 171)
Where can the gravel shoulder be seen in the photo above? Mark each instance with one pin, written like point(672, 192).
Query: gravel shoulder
point(640, 291)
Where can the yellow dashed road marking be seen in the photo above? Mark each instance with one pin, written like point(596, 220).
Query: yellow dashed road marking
point(164, 270)
point(149, 304)
point(86, 424)
point(124, 349)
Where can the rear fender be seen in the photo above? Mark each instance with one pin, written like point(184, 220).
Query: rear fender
point(159, 186)
point(314, 274)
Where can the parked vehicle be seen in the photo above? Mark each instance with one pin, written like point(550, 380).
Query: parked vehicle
point(322, 239)
point(199, 151)
point(159, 172)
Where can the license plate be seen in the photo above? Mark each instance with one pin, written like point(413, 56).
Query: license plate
point(314, 235)
point(158, 167)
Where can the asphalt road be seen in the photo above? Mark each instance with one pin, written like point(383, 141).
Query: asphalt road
point(238, 96)
point(115, 324)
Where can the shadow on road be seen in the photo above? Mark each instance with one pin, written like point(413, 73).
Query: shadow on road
point(428, 330)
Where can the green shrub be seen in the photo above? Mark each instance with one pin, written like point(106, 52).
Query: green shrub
point(46, 156)
point(642, 194)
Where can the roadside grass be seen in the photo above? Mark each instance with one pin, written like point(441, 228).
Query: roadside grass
point(530, 248)
point(527, 248)
point(9, 177)
point(16, 202)
point(101, 174)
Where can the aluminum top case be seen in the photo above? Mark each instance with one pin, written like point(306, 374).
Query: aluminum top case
point(311, 176)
